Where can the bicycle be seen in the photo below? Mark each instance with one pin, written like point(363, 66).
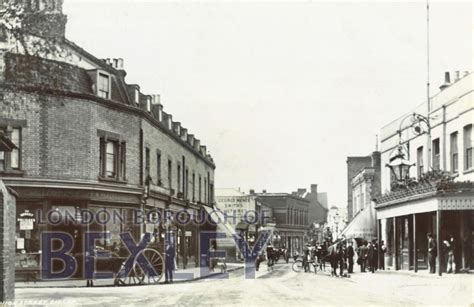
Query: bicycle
point(313, 266)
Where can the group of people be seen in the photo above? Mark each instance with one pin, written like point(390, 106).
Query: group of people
point(341, 256)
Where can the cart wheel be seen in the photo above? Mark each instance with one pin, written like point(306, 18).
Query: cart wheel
point(132, 279)
point(155, 266)
point(298, 266)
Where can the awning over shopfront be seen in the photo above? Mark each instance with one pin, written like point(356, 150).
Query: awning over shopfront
point(364, 225)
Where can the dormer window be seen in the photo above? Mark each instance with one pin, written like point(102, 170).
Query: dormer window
point(103, 86)
point(148, 104)
point(137, 96)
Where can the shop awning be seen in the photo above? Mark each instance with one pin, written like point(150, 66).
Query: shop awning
point(241, 226)
point(364, 225)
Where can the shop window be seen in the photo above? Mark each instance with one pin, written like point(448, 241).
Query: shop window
point(112, 159)
point(11, 160)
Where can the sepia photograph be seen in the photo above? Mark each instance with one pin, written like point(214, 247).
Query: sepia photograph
point(236, 153)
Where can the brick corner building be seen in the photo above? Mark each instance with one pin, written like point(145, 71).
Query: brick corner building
point(86, 140)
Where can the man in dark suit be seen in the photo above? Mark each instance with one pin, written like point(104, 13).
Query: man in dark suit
point(432, 253)
point(350, 258)
point(169, 262)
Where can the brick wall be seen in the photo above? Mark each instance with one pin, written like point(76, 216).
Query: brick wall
point(171, 149)
point(7, 244)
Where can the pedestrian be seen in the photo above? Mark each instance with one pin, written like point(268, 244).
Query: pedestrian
point(341, 258)
point(450, 259)
point(376, 255)
point(362, 256)
point(306, 255)
point(270, 255)
point(383, 250)
point(211, 256)
point(169, 261)
point(371, 256)
point(432, 253)
point(350, 257)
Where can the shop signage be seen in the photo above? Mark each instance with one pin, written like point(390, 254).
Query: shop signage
point(26, 220)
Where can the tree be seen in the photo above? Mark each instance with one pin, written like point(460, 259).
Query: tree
point(26, 29)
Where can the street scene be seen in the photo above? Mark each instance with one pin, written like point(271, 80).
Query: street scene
point(174, 153)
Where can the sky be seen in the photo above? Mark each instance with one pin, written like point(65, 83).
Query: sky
point(280, 92)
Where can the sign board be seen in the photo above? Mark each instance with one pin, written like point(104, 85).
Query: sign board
point(26, 220)
point(188, 233)
point(20, 243)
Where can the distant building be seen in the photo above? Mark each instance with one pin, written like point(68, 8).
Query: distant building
point(337, 220)
point(290, 214)
point(364, 187)
point(354, 166)
point(243, 215)
point(317, 212)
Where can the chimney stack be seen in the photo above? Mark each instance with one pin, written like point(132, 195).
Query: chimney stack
point(314, 189)
point(447, 81)
point(197, 144)
point(264, 191)
point(301, 191)
point(252, 192)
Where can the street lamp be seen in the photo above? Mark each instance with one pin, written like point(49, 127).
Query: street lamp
point(398, 160)
point(399, 164)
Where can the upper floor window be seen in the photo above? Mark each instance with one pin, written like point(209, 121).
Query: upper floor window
point(200, 189)
point(194, 187)
point(454, 152)
point(112, 159)
point(103, 86)
point(11, 160)
point(419, 161)
point(170, 174)
point(147, 162)
point(468, 154)
point(158, 168)
point(436, 155)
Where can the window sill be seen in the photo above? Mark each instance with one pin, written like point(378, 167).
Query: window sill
point(12, 173)
point(114, 180)
point(469, 171)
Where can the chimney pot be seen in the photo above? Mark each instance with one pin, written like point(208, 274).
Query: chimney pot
point(264, 191)
point(447, 77)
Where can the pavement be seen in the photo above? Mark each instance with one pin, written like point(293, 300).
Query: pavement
point(280, 286)
point(181, 275)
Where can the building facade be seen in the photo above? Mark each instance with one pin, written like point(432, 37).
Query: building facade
point(354, 166)
point(365, 188)
point(440, 195)
point(244, 215)
point(337, 221)
point(317, 212)
point(291, 217)
point(88, 142)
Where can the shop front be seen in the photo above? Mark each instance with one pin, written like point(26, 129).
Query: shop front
point(403, 225)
